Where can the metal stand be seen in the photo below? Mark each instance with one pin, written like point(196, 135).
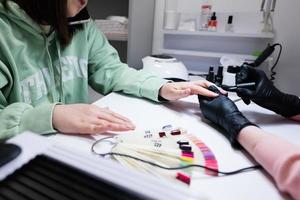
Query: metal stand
point(268, 8)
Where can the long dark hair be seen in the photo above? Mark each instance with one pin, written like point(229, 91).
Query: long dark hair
point(51, 12)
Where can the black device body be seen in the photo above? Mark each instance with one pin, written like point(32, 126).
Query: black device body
point(8, 152)
point(218, 79)
point(264, 55)
point(82, 17)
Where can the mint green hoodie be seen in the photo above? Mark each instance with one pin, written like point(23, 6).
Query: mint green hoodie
point(36, 73)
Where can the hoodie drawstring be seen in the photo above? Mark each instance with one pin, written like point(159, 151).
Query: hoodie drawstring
point(53, 87)
point(58, 47)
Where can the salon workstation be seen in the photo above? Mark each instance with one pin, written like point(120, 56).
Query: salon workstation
point(150, 99)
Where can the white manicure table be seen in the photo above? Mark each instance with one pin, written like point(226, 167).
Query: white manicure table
point(185, 113)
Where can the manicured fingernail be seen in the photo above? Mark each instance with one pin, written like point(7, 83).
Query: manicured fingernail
point(131, 126)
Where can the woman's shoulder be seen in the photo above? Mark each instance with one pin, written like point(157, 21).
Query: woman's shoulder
point(90, 25)
point(91, 29)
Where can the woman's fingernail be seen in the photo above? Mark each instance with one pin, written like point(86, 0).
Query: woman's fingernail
point(131, 126)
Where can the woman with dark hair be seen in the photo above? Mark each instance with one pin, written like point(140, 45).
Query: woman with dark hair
point(46, 66)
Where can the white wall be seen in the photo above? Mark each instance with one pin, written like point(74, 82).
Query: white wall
point(220, 5)
point(288, 33)
point(141, 14)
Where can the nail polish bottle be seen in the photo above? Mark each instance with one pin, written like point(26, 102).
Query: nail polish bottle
point(229, 25)
point(213, 23)
point(219, 76)
point(211, 75)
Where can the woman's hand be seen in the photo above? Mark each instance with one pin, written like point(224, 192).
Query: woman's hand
point(175, 91)
point(88, 119)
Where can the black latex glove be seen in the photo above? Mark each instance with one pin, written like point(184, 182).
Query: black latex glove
point(266, 94)
point(223, 112)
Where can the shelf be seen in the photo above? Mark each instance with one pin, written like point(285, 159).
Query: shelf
point(200, 49)
point(204, 54)
point(220, 34)
point(113, 36)
point(113, 30)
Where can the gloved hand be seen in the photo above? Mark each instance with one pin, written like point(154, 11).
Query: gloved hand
point(223, 112)
point(266, 94)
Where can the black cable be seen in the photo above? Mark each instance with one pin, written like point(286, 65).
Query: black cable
point(201, 75)
point(184, 167)
point(273, 73)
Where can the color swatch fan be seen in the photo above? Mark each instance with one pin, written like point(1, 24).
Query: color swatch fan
point(168, 148)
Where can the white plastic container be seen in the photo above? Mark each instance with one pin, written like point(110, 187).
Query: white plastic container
point(172, 16)
point(205, 15)
point(172, 19)
point(229, 79)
